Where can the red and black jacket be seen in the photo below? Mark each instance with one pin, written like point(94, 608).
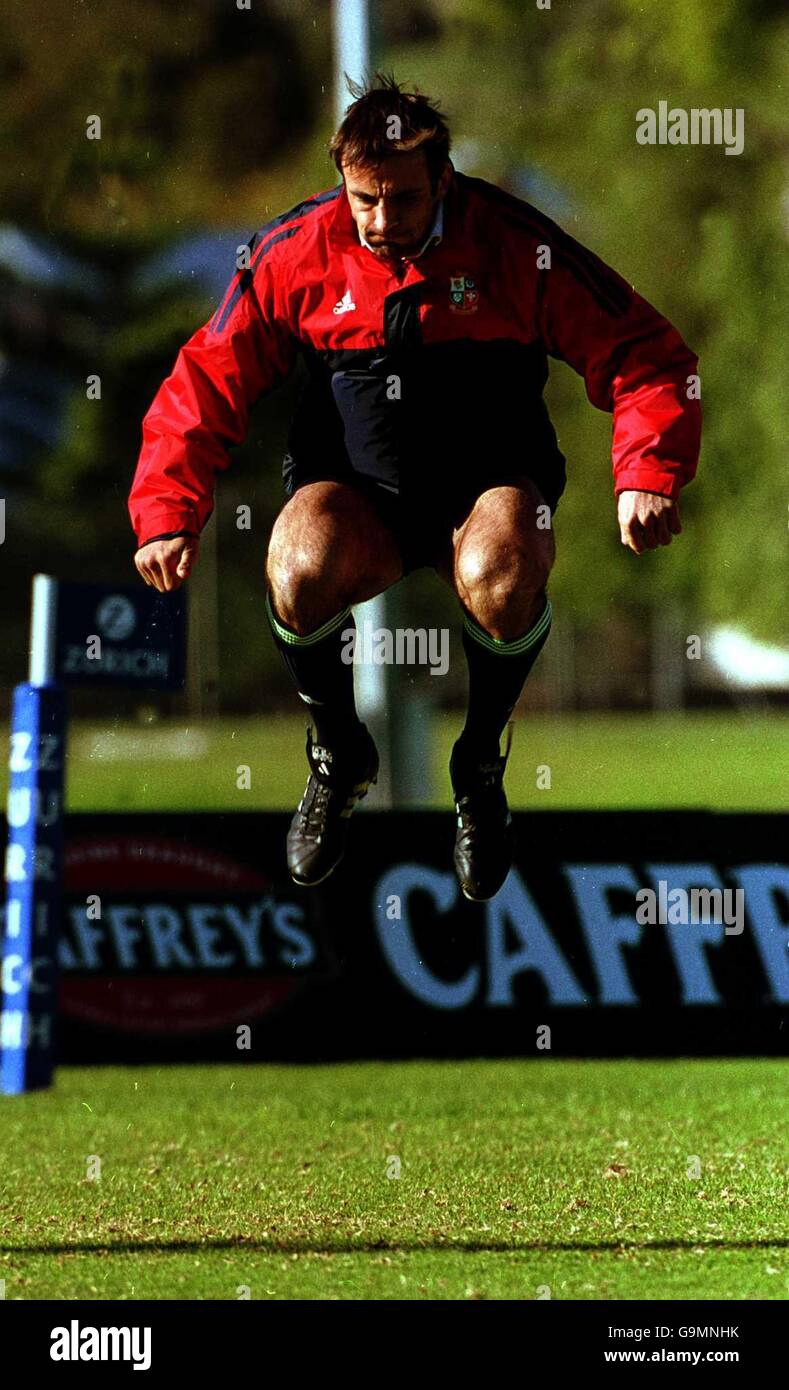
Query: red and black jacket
point(410, 376)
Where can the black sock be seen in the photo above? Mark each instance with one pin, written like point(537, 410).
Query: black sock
point(497, 672)
point(324, 681)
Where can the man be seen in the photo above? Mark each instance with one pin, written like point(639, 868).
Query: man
point(425, 305)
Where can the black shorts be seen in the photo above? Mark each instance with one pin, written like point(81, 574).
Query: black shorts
point(425, 511)
point(467, 417)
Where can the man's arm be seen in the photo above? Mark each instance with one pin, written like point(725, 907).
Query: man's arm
point(635, 364)
point(202, 408)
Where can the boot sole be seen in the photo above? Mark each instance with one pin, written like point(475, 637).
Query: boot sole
point(488, 899)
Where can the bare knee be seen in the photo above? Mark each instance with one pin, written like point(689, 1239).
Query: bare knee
point(307, 583)
point(303, 590)
point(324, 554)
point(503, 586)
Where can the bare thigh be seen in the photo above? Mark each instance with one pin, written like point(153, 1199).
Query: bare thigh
point(329, 548)
point(502, 554)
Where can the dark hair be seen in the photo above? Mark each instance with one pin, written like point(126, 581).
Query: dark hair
point(365, 135)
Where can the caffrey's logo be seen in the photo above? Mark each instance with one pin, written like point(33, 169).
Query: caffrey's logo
point(463, 294)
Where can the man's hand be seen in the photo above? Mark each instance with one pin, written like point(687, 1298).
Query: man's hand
point(164, 565)
point(646, 520)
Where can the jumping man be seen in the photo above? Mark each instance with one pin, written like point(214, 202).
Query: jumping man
point(425, 305)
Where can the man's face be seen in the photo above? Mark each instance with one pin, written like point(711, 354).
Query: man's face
point(393, 204)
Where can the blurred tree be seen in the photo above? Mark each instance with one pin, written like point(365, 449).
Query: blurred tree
point(193, 99)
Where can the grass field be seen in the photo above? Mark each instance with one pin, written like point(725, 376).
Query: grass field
point(516, 1177)
point(721, 761)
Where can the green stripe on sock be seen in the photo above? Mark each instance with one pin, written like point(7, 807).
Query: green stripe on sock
point(295, 639)
point(520, 644)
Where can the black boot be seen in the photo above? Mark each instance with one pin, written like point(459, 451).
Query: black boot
point(484, 840)
point(338, 779)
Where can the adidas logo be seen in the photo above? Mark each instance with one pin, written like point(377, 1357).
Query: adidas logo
point(344, 305)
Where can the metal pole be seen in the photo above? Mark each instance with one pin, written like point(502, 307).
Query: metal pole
point(42, 629)
point(668, 664)
point(399, 725)
point(351, 26)
point(202, 666)
point(351, 31)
